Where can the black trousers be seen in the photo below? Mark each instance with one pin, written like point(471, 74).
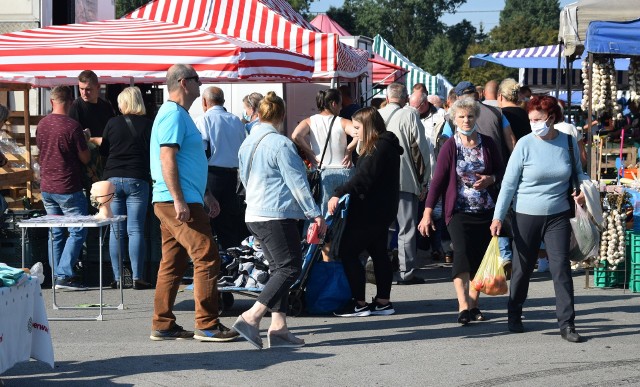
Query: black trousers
point(372, 238)
point(228, 225)
point(555, 231)
point(281, 246)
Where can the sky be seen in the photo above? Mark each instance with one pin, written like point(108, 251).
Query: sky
point(476, 11)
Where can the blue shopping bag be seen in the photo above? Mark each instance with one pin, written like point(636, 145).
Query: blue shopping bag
point(327, 288)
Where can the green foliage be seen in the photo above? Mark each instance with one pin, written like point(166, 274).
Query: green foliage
point(445, 53)
point(409, 25)
point(520, 31)
point(538, 12)
point(301, 6)
point(481, 75)
point(124, 7)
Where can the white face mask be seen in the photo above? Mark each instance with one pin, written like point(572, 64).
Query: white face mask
point(539, 128)
point(467, 132)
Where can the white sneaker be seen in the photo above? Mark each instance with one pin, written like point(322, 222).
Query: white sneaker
point(543, 265)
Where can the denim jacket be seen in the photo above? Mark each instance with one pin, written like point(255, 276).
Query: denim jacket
point(276, 182)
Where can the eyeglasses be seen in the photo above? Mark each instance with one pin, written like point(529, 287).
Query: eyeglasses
point(195, 77)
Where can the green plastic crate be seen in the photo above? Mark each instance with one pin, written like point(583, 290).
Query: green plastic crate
point(634, 286)
point(634, 272)
point(608, 279)
point(633, 246)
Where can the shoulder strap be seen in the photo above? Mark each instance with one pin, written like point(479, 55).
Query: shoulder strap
point(253, 151)
point(386, 122)
point(134, 135)
point(574, 175)
point(327, 141)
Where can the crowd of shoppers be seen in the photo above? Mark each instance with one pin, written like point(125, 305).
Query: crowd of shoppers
point(198, 174)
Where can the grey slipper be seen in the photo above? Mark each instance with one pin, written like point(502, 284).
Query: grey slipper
point(249, 332)
point(287, 340)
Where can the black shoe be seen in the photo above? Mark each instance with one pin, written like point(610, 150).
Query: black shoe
point(448, 257)
point(141, 285)
point(464, 317)
point(377, 309)
point(114, 284)
point(411, 281)
point(217, 334)
point(569, 334)
point(353, 309)
point(476, 315)
point(515, 325)
point(175, 333)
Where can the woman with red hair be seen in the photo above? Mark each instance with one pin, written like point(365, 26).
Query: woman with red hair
point(537, 178)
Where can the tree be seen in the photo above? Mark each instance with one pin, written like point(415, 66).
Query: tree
point(301, 6)
point(481, 75)
point(409, 25)
point(124, 7)
point(445, 53)
point(539, 12)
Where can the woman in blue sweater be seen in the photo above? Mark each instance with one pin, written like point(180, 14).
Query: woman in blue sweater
point(538, 179)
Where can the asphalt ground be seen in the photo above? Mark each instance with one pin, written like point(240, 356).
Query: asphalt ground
point(420, 345)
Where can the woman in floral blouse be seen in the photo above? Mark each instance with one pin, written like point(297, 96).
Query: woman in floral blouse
point(467, 170)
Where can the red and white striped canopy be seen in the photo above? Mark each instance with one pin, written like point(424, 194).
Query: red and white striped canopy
point(140, 51)
point(271, 22)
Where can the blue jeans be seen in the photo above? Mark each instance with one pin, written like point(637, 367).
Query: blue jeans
point(64, 250)
point(131, 198)
point(506, 253)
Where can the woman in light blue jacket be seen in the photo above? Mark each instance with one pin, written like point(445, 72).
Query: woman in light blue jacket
point(278, 196)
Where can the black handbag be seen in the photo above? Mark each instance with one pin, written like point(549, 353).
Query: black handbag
point(315, 176)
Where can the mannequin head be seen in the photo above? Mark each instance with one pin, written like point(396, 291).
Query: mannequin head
point(102, 192)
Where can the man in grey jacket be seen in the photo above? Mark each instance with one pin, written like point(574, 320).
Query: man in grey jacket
point(414, 169)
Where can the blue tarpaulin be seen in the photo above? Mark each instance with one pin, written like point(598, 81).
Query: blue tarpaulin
point(614, 38)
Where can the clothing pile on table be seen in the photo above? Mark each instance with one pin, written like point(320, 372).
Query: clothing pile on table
point(10, 276)
point(244, 266)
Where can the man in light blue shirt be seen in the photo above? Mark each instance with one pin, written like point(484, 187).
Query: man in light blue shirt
point(222, 134)
point(181, 203)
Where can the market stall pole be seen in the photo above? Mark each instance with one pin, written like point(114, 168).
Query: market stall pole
point(10, 175)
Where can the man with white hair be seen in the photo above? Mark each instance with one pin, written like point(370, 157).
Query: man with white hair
point(222, 134)
point(406, 125)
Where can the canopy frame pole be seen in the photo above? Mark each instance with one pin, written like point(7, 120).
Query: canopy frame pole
point(589, 133)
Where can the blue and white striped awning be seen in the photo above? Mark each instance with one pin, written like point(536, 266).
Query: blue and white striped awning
point(542, 57)
point(436, 84)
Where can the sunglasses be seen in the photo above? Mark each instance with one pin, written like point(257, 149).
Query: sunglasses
point(195, 77)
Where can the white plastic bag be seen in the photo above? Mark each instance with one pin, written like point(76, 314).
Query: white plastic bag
point(586, 234)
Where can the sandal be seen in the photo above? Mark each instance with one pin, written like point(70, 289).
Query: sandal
point(464, 317)
point(477, 315)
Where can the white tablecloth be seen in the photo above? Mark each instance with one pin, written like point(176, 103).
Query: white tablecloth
point(24, 329)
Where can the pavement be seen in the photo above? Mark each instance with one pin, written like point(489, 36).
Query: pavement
point(420, 345)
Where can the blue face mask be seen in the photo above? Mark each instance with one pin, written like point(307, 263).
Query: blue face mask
point(246, 117)
point(467, 132)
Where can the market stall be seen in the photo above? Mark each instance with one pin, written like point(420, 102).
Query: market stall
point(271, 22)
point(435, 84)
point(383, 71)
point(604, 42)
point(140, 51)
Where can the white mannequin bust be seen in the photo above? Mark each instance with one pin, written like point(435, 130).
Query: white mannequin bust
point(102, 192)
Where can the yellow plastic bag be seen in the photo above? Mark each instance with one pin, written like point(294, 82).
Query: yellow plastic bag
point(490, 278)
